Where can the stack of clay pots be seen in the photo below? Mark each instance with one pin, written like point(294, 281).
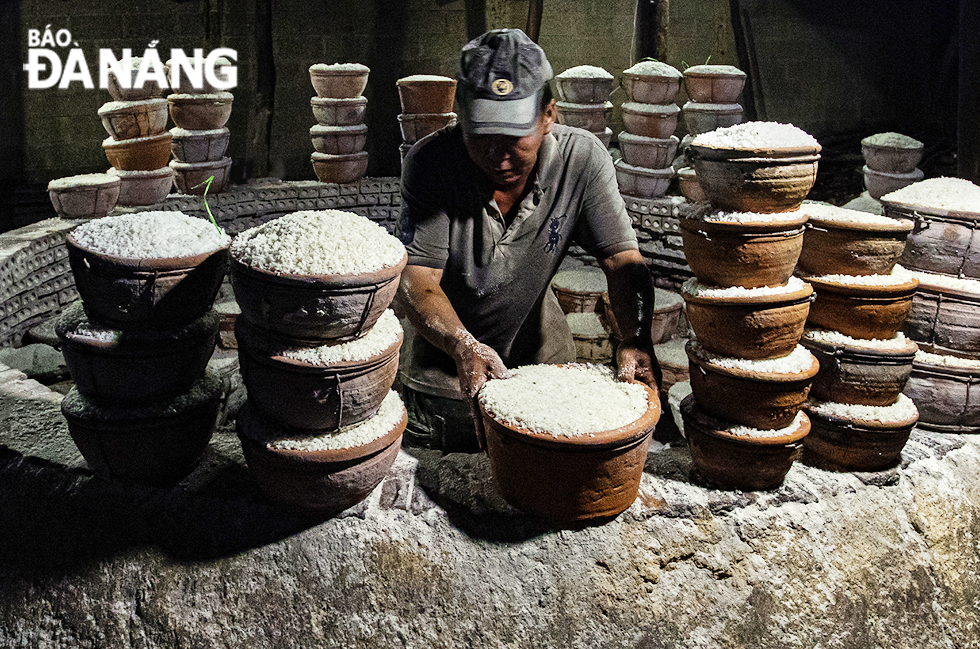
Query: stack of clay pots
point(890, 162)
point(583, 93)
point(340, 133)
point(427, 105)
point(648, 144)
point(138, 146)
point(860, 421)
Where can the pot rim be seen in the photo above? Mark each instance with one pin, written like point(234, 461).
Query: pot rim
point(752, 375)
point(903, 290)
point(207, 165)
point(652, 77)
point(325, 102)
point(788, 227)
point(651, 110)
point(339, 157)
point(863, 425)
point(108, 182)
point(259, 355)
point(147, 264)
point(714, 427)
point(923, 366)
point(772, 300)
point(666, 173)
point(334, 282)
point(111, 143)
point(136, 423)
point(861, 353)
point(770, 155)
point(901, 227)
point(714, 74)
point(150, 105)
point(943, 291)
point(214, 98)
point(968, 219)
point(200, 331)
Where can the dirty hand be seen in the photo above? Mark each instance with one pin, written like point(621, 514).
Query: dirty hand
point(635, 363)
point(476, 364)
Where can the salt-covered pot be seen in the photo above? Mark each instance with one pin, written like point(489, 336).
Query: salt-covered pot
point(579, 290)
point(345, 111)
point(315, 483)
point(591, 117)
point(339, 140)
point(143, 187)
point(415, 126)
point(136, 365)
point(674, 364)
point(192, 177)
point(766, 400)
point(124, 120)
point(743, 253)
point(947, 396)
point(667, 310)
point(306, 396)
point(701, 118)
point(942, 241)
point(312, 310)
point(140, 153)
point(649, 152)
point(650, 120)
point(847, 444)
point(739, 461)
point(167, 291)
point(861, 310)
point(755, 179)
point(650, 88)
point(891, 158)
point(148, 89)
point(944, 317)
point(181, 83)
point(85, 196)
point(200, 112)
point(641, 182)
point(154, 444)
point(859, 375)
point(339, 168)
point(344, 81)
point(200, 146)
point(714, 84)
point(426, 93)
point(569, 479)
point(583, 89)
point(879, 183)
point(839, 247)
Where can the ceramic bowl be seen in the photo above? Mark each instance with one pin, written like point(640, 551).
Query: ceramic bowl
point(180, 80)
point(341, 168)
point(339, 81)
point(426, 93)
point(138, 154)
point(192, 177)
point(850, 373)
point(338, 112)
point(861, 310)
point(714, 84)
point(648, 152)
point(944, 316)
point(85, 196)
point(415, 126)
point(579, 290)
point(848, 444)
point(667, 311)
point(339, 140)
point(584, 90)
point(687, 182)
point(137, 188)
point(649, 88)
point(642, 183)
point(591, 117)
point(650, 120)
point(148, 89)
point(200, 112)
point(200, 146)
point(125, 120)
point(701, 118)
point(947, 396)
point(879, 183)
point(892, 159)
point(838, 247)
point(941, 241)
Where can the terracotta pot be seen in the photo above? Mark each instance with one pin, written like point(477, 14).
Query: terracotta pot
point(127, 120)
point(687, 182)
point(136, 365)
point(673, 363)
point(340, 169)
point(861, 311)
point(425, 93)
point(944, 317)
point(568, 479)
point(642, 183)
point(715, 84)
point(835, 247)
point(879, 183)
point(85, 196)
point(149, 89)
point(747, 254)
point(576, 301)
point(584, 90)
point(701, 118)
point(591, 117)
point(891, 159)
point(668, 307)
point(416, 126)
point(312, 310)
point(201, 112)
point(855, 445)
point(304, 396)
point(755, 180)
point(947, 397)
point(649, 88)
point(766, 400)
point(191, 177)
point(650, 120)
point(859, 375)
point(649, 152)
point(165, 292)
point(339, 140)
point(752, 327)
point(138, 154)
point(739, 461)
point(154, 444)
point(941, 241)
point(200, 146)
point(344, 81)
point(591, 347)
point(318, 483)
point(143, 187)
point(338, 112)
point(181, 83)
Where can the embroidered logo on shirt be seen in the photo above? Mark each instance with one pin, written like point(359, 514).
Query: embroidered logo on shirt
point(554, 236)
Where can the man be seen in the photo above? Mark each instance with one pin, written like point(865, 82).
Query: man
point(490, 209)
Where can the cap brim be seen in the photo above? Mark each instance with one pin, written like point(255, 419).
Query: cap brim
point(515, 117)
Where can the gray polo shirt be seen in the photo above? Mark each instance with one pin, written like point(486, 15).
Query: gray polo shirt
point(497, 276)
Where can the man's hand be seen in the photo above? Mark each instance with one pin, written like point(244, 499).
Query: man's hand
point(476, 363)
point(635, 363)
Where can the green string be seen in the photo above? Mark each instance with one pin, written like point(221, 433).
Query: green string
point(206, 206)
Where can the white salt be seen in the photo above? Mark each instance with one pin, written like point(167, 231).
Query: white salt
point(756, 135)
point(831, 213)
point(184, 132)
point(946, 360)
point(584, 281)
point(672, 352)
point(899, 412)
point(425, 77)
point(81, 180)
point(141, 173)
point(703, 107)
point(939, 193)
point(961, 284)
point(653, 69)
point(897, 277)
point(748, 217)
point(897, 343)
point(651, 109)
point(218, 97)
point(585, 72)
point(112, 106)
point(389, 414)
point(328, 242)
point(568, 401)
point(586, 324)
point(695, 288)
point(796, 362)
point(720, 70)
point(150, 235)
point(383, 335)
point(339, 67)
point(761, 433)
point(891, 139)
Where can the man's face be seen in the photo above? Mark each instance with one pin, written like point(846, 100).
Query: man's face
point(508, 160)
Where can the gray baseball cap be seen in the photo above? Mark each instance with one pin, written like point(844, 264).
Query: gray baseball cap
point(498, 88)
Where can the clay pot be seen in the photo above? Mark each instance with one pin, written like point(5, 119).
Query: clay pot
point(154, 444)
point(180, 83)
point(701, 118)
point(568, 479)
point(338, 112)
point(859, 310)
point(714, 84)
point(753, 326)
point(748, 254)
point(339, 140)
point(650, 89)
point(310, 397)
point(590, 346)
point(941, 241)
point(200, 146)
point(340, 169)
point(650, 120)
point(201, 112)
point(149, 89)
point(687, 182)
point(339, 81)
point(191, 177)
point(739, 461)
point(944, 317)
point(879, 183)
point(132, 119)
point(674, 364)
point(648, 152)
point(416, 126)
point(859, 375)
point(836, 247)
point(317, 483)
point(755, 180)
point(135, 365)
point(138, 154)
point(605, 136)
point(576, 301)
point(162, 292)
point(138, 188)
point(642, 183)
point(855, 445)
point(426, 93)
point(86, 196)
point(891, 159)
point(666, 316)
point(312, 310)
point(591, 117)
point(583, 90)
point(947, 397)
point(675, 396)
point(766, 400)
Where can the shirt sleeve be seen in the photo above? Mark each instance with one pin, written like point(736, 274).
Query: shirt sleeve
point(603, 227)
point(423, 225)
